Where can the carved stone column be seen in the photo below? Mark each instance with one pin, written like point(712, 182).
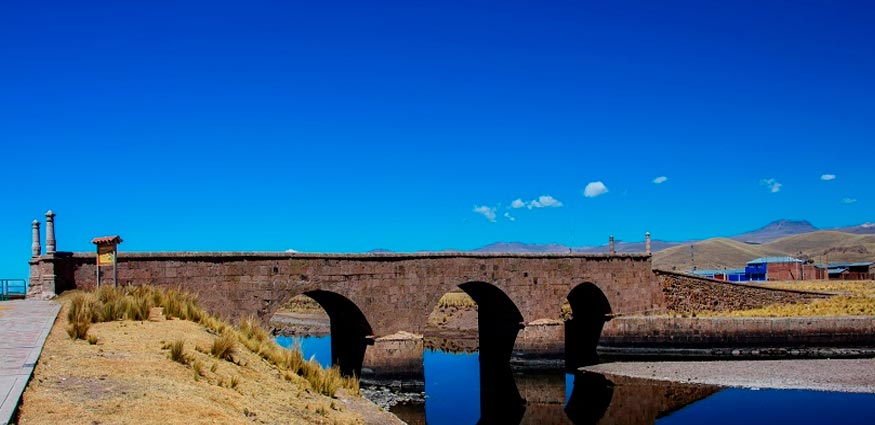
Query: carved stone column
point(35, 247)
point(50, 232)
point(611, 245)
point(647, 243)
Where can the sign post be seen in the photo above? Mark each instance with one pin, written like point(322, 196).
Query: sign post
point(107, 255)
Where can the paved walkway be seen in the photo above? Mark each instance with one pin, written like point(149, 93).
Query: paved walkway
point(24, 325)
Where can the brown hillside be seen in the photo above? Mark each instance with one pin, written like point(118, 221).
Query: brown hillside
point(719, 253)
point(838, 246)
point(716, 253)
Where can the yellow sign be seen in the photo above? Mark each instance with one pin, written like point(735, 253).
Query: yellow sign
point(105, 255)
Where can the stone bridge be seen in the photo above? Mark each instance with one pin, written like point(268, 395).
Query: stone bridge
point(376, 301)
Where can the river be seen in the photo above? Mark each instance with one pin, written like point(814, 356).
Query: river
point(454, 395)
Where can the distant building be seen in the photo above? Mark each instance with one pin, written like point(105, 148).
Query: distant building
point(789, 268)
point(849, 271)
point(730, 275)
point(781, 268)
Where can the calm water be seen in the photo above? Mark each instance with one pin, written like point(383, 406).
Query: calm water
point(454, 396)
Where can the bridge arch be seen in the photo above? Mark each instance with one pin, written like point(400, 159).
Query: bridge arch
point(499, 321)
point(590, 309)
point(351, 332)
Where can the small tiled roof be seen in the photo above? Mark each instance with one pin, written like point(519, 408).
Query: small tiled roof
point(762, 260)
point(106, 240)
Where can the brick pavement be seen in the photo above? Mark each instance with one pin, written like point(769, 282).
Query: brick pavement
point(24, 325)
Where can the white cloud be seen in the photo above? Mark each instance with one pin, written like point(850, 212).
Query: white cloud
point(545, 201)
point(488, 212)
point(291, 250)
point(509, 217)
point(828, 177)
point(867, 225)
point(772, 184)
point(594, 189)
point(660, 180)
point(849, 201)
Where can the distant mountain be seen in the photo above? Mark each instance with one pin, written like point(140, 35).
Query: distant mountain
point(621, 246)
point(776, 230)
point(862, 229)
point(520, 247)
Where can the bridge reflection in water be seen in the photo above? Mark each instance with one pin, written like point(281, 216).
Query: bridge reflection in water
point(462, 389)
point(506, 397)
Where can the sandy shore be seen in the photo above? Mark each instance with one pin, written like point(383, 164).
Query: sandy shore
point(846, 375)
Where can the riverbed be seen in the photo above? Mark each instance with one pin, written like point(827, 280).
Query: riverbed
point(842, 375)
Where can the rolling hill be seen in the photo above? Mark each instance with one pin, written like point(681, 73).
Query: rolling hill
point(719, 253)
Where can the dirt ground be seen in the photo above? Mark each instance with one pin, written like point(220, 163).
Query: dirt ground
point(127, 377)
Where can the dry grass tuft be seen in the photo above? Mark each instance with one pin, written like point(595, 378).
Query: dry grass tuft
point(302, 304)
point(79, 317)
point(223, 347)
point(177, 352)
point(456, 299)
point(198, 368)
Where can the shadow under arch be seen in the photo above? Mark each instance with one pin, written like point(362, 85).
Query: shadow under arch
point(350, 331)
point(498, 322)
point(590, 310)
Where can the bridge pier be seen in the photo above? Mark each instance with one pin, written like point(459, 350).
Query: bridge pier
point(540, 345)
point(394, 357)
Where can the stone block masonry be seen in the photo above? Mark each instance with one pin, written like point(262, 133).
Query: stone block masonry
point(751, 336)
point(689, 294)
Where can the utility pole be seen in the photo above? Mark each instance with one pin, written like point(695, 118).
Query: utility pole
point(692, 258)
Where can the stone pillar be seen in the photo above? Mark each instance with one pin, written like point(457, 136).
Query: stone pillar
point(611, 245)
point(394, 357)
point(50, 232)
point(35, 247)
point(647, 243)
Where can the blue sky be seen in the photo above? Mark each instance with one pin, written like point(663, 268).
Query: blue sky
point(333, 126)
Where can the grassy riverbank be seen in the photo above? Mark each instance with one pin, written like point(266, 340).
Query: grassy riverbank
point(189, 368)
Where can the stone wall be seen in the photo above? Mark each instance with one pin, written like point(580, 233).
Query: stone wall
point(711, 332)
point(688, 294)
